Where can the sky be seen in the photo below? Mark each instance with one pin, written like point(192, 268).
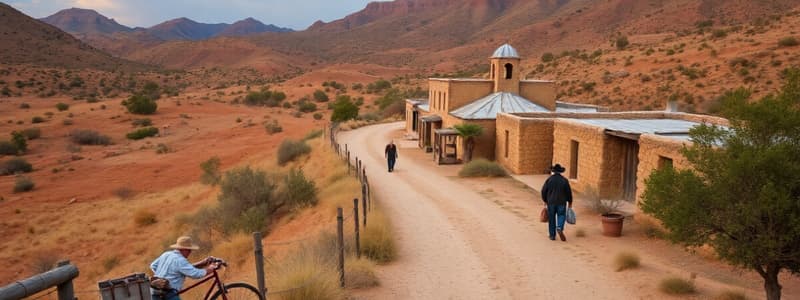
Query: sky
point(295, 14)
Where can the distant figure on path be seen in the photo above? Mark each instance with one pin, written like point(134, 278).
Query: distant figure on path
point(173, 266)
point(556, 193)
point(391, 155)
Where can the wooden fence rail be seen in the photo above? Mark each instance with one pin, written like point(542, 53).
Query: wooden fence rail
point(60, 277)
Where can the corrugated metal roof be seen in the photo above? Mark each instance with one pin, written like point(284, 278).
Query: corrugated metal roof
point(576, 109)
point(488, 107)
point(678, 129)
point(505, 51)
point(425, 107)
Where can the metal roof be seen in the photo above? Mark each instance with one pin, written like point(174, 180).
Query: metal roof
point(488, 107)
point(505, 51)
point(576, 109)
point(678, 129)
point(446, 131)
point(431, 118)
point(425, 107)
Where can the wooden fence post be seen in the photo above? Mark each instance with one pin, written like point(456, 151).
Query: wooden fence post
point(358, 169)
point(358, 235)
point(364, 201)
point(66, 291)
point(259, 252)
point(340, 235)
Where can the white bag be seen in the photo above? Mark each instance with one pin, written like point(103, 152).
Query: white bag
point(570, 216)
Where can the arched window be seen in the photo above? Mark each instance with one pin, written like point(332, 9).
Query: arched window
point(509, 71)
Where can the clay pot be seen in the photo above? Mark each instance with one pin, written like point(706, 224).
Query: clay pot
point(612, 224)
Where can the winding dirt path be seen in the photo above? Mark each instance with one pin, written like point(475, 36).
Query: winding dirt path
point(454, 243)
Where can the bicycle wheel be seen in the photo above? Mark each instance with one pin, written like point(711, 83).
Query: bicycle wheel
point(238, 291)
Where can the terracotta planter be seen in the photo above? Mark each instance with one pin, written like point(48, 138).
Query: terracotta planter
point(612, 224)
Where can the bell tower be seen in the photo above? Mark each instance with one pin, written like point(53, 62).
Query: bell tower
point(505, 69)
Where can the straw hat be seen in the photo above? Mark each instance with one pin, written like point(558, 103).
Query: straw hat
point(185, 242)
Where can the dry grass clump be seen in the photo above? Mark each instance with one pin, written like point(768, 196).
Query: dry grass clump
point(23, 184)
point(626, 260)
point(377, 239)
point(651, 228)
point(144, 217)
point(677, 286)
point(482, 168)
point(360, 273)
point(731, 295)
point(124, 193)
point(308, 273)
point(43, 261)
point(289, 150)
point(89, 137)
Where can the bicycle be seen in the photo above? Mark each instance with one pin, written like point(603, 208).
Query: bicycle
point(231, 291)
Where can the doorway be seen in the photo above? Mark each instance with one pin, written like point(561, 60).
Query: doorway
point(630, 166)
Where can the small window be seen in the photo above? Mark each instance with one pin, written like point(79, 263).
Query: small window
point(573, 159)
point(506, 149)
point(509, 71)
point(664, 162)
point(492, 71)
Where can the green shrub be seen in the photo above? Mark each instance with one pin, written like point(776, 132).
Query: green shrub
point(344, 109)
point(289, 150)
point(20, 141)
point(788, 42)
point(622, 42)
point(306, 106)
point(37, 119)
point(89, 137)
point(676, 286)
point(23, 184)
point(141, 133)
point(210, 169)
point(62, 106)
point(547, 57)
point(482, 168)
point(8, 148)
point(246, 201)
point(320, 96)
point(626, 260)
point(298, 190)
point(272, 127)
point(32, 133)
point(14, 166)
point(140, 105)
point(317, 116)
point(142, 122)
point(719, 33)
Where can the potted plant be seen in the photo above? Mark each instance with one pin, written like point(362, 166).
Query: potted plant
point(611, 218)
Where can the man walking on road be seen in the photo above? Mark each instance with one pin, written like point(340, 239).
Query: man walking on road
point(391, 155)
point(556, 193)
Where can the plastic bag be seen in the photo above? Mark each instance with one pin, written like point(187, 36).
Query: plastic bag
point(570, 216)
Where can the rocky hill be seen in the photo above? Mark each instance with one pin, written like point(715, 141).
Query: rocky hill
point(250, 26)
point(84, 21)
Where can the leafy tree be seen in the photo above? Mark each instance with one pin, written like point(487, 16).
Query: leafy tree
point(20, 141)
point(468, 133)
point(140, 105)
point(344, 109)
point(742, 193)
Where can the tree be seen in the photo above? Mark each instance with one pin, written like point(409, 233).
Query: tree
point(344, 109)
point(741, 194)
point(468, 133)
point(140, 105)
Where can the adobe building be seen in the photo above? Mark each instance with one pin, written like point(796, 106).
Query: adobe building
point(526, 130)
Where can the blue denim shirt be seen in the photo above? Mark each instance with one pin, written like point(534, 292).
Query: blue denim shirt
point(173, 267)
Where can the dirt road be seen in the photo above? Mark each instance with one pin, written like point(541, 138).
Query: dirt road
point(456, 244)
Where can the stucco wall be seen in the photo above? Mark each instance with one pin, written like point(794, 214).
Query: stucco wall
point(540, 92)
point(651, 149)
point(530, 144)
point(465, 92)
point(595, 154)
point(484, 144)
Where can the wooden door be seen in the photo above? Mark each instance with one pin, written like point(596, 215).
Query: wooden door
point(631, 165)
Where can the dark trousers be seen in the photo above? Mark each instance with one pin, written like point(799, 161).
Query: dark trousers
point(391, 163)
point(170, 295)
point(554, 224)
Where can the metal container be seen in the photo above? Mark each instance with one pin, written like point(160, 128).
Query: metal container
point(131, 287)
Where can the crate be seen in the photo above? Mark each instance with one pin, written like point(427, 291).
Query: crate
point(131, 287)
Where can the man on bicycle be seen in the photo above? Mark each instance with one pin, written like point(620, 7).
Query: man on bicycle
point(173, 267)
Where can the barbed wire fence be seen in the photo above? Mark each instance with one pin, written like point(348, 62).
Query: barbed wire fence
point(359, 214)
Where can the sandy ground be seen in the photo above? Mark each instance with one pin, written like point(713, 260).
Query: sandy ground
point(480, 239)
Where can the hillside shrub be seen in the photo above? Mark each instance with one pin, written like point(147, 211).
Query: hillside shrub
point(37, 119)
point(344, 109)
point(14, 166)
point(317, 116)
point(32, 133)
point(124, 193)
point(299, 190)
point(289, 150)
point(548, 57)
point(676, 286)
point(23, 184)
point(8, 148)
point(140, 105)
point(62, 106)
point(211, 175)
point(142, 122)
point(141, 133)
point(622, 42)
point(730, 295)
point(89, 137)
point(273, 127)
point(320, 96)
point(24, 105)
point(144, 217)
point(788, 42)
point(306, 106)
point(246, 201)
point(482, 168)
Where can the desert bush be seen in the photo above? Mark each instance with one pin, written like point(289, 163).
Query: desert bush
point(377, 239)
point(24, 105)
point(359, 273)
point(626, 260)
point(67, 122)
point(731, 295)
point(89, 137)
point(20, 141)
point(14, 166)
point(62, 106)
point(676, 286)
point(246, 201)
point(162, 148)
point(317, 116)
point(144, 217)
point(37, 119)
point(273, 127)
point(650, 228)
point(344, 109)
point(306, 106)
point(23, 184)
point(320, 96)
point(8, 148)
point(142, 122)
point(140, 105)
point(621, 42)
point(305, 265)
point(719, 33)
point(124, 193)
point(299, 190)
point(110, 262)
point(788, 42)
point(210, 169)
point(548, 57)
point(289, 150)
point(32, 133)
point(141, 133)
point(482, 168)
point(44, 261)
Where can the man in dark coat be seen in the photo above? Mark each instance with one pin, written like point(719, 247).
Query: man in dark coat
point(556, 194)
point(391, 155)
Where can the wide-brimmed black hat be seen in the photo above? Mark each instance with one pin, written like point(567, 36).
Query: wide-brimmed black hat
point(558, 168)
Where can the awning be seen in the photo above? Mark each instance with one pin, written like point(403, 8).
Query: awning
point(431, 118)
point(446, 131)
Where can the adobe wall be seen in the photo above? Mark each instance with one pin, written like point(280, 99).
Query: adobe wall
point(530, 144)
point(597, 154)
point(484, 144)
point(409, 118)
point(651, 149)
point(438, 91)
point(465, 92)
point(540, 92)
